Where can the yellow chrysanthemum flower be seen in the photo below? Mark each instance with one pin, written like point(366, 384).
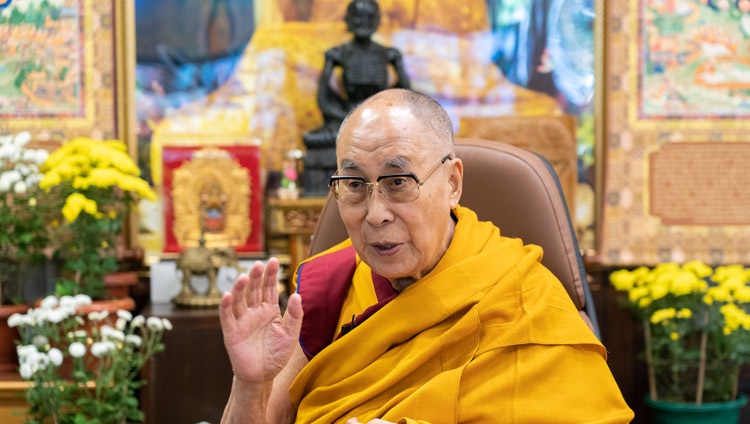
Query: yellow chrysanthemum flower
point(683, 282)
point(659, 289)
point(77, 203)
point(663, 315)
point(49, 180)
point(137, 185)
point(698, 268)
point(719, 294)
point(105, 177)
point(622, 280)
point(638, 293)
point(742, 294)
point(725, 272)
point(684, 313)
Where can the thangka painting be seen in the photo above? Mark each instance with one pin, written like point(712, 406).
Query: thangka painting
point(60, 71)
point(248, 70)
point(693, 61)
point(676, 147)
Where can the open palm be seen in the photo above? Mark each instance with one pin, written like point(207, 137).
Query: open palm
point(258, 339)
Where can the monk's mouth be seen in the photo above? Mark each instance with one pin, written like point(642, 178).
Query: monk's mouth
point(385, 248)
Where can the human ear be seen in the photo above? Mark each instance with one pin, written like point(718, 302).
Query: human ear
point(456, 181)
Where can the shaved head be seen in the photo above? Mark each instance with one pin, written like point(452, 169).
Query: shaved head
point(428, 113)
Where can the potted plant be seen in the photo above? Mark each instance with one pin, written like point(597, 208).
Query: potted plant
point(24, 238)
point(84, 365)
point(697, 335)
point(98, 184)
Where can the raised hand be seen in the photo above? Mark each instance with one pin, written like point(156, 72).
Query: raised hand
point(258, 340)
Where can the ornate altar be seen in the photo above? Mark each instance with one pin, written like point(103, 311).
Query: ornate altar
point(218, 188)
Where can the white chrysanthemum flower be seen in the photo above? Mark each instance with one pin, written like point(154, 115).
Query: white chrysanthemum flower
point(67, 301)
point(82, 300)
point(25, 371)
point(100, 349)
point(98, 316)
point(22, 138)
point(56, 315)
point(67, 311)
point(37, 360)
point(48, 302)
point(79, 334)
point(134, 339)
point(20, 187)
point(77, 349)
point(55, 356)
point(112, 333)
point(154, 323)
point(41, 156)
point(126, 315)
point(25, 350)
point(138, 321)
point(40, 341)
point(4, 184)
point(120, 324)
point(15, 320)
point(23, 169)
point(167, 324)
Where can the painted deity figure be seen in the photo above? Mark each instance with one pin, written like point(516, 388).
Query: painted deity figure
point(364, 68)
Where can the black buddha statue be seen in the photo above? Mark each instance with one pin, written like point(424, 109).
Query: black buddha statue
point(364, 67)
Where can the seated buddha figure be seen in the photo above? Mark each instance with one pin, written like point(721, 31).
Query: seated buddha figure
point(364, 66)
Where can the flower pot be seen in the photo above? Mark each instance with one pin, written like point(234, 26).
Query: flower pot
point(118, 284)
point(689, 413)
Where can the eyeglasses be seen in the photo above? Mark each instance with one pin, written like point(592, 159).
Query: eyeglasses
point(396, 188)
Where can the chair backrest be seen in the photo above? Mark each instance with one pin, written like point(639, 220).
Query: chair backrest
point(519, 192)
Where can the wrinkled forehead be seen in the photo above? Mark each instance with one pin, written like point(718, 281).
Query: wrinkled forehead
point(390, 134)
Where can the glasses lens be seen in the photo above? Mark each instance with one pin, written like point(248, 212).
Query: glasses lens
point(350, 191)
point(399, 189)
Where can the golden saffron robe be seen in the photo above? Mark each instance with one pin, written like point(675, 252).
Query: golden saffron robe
point(489, 335)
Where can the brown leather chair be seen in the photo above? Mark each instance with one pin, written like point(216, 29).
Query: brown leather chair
point(518, 191)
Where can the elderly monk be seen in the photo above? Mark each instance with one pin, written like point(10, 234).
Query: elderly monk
point(424, 315)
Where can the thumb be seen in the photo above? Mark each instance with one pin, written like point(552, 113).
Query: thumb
point(292, 320)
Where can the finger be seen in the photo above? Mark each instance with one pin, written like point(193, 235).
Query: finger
point(226, 317)
point(352, 421)
point(255, 292)
point(292, 320)
point(271, 282)
point(239, 306)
